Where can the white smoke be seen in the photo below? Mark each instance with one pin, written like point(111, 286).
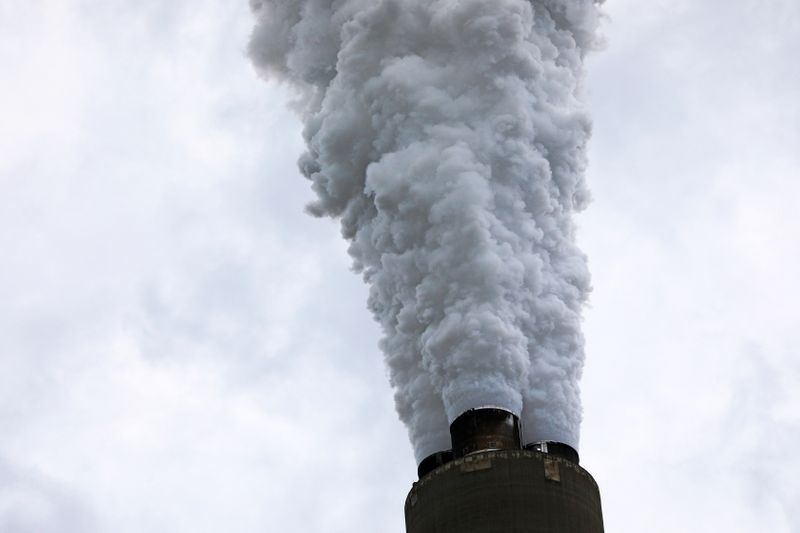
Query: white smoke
point(449, 137)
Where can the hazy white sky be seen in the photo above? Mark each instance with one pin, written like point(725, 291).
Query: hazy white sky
point(182, 349)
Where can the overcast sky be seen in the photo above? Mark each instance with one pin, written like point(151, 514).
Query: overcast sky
point(182, 349)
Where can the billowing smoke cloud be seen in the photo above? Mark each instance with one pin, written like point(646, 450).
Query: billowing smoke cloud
point(449, 136)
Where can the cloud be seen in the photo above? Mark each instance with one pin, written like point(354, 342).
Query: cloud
point(168, 351)
point(690, 245)
point(32, 503)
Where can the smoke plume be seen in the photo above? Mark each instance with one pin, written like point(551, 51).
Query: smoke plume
point(448, 137)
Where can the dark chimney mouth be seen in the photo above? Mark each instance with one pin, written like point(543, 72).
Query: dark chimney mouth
point(434, 461)
point(484, 429)
point(559, 449)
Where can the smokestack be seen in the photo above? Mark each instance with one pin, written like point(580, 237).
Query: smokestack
point(513, 491)
point(476, 430)
point(559, 449)
point(488, 482)
point(434, 461)
point(484, 429)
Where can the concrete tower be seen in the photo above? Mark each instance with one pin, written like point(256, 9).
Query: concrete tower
point(488, 483)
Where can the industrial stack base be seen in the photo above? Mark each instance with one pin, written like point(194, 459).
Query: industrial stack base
point(508, 491)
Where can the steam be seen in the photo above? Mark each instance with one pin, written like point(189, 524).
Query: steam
point(449, 137)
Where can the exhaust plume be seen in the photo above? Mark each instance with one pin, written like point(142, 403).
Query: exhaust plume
point(448, 137)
